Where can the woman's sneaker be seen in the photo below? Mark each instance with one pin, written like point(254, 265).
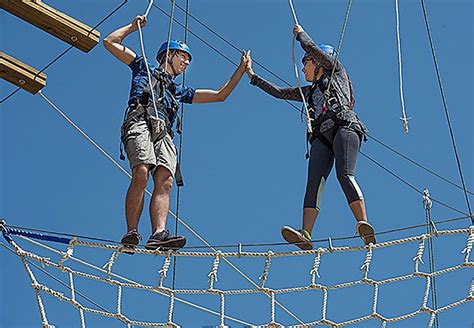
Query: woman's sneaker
point(366, 232)
point(165, 241)
point(300, 238)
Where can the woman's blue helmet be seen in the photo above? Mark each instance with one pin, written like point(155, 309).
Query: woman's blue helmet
point(326, 48)
point(174, 45)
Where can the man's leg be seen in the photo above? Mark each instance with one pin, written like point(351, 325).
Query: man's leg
point(160, 200)
point(135, 195)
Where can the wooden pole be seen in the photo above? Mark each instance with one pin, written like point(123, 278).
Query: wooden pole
point(20, 74)
point(54, 22)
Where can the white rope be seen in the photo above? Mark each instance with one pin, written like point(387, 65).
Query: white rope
point(419, 254)
point(470, 240)
point(272, 308)
point(126, 283)
point(215, 266)
point(222, 298)
point(368, 259)
point(147, 11)
point(119, 299)
point(427, 293)
point(295, 67)
point(400, 76)
point(69, 252)
point(315, 269)
point(266, 269)
point(164, 270)
point(325, 303)
point(171, 308)
point(375, 301)
point(110, 263)
point(150, 81)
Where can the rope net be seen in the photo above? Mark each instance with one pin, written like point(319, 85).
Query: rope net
point(78, 271)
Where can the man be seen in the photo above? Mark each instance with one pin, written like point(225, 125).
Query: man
point(147, 129)
point(336, 137)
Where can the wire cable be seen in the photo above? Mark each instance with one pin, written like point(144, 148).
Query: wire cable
point(416, 163)
point(214, 247)
point(445, 105)
point(339, 46)
point(409, 184)
point(180, 147)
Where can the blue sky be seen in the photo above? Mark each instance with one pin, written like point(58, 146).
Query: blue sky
point(243, 160)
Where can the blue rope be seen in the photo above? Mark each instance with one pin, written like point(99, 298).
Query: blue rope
point(34, 235)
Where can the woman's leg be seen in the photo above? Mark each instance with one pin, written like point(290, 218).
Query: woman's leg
point(346, 151)
point(320, 163)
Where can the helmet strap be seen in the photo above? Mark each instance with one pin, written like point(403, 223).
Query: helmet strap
point(316, 72)
point(170, 63)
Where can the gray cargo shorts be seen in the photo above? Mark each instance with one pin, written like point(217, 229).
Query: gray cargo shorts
point(140, 148)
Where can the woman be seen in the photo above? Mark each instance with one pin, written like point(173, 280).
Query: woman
point(337, 134)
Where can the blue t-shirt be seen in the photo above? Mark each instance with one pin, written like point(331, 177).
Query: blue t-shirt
point(140, 80)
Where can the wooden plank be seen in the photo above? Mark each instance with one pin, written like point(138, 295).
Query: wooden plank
point(54, 22)
point(20, 74)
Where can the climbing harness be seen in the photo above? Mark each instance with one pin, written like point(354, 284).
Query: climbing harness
point(161, 92)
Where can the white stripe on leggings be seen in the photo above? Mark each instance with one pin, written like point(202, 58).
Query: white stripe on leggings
point(356, 186)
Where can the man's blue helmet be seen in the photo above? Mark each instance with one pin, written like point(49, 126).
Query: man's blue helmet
point(326, 48)
point(174, 45)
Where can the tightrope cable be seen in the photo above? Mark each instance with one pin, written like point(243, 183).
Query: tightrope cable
point(409, 184)
point(180, 147)
point(240, 245)
point(416, 163)
point(445, 105)
point(338, 49)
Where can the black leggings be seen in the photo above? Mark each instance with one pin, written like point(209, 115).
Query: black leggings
point(345, 150)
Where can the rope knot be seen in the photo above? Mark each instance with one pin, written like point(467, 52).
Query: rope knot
point(164, 270)
point(69, 252)
point(470, 240)
point(266, 269)
point(367, 261)
point(111, 262)
point(419, 254)
point(215, 266)
point(315, 269)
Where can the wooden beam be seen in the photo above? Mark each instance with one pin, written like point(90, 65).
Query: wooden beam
point(20, 74)
point(54, 22)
